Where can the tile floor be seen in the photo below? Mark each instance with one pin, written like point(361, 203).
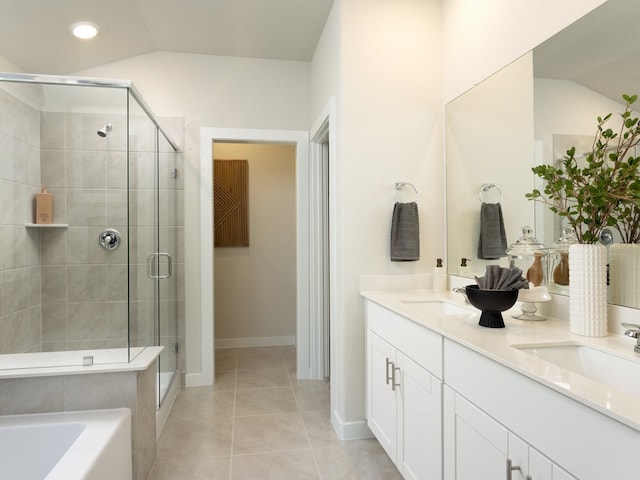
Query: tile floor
point(259, 422)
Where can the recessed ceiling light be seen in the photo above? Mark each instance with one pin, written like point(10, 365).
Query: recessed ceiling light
point(84, 30)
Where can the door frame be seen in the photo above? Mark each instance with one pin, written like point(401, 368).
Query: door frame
point(323, 130)
point(208, 137)
point(323, 133)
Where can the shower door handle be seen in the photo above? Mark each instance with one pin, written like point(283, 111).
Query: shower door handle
point(154, 266)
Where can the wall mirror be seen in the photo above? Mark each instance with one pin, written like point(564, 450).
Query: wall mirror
point(489, 145)
point(528, 113)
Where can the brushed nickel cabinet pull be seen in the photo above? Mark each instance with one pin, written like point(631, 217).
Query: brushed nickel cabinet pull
point(511, 468)
point(393, 378)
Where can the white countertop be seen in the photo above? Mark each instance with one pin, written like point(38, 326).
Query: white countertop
point(496, 344)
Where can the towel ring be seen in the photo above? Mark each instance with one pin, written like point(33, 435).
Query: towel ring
point(399, 186)
point(485, 190)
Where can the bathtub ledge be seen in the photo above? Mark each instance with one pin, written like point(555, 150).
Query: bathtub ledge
point(34, 363)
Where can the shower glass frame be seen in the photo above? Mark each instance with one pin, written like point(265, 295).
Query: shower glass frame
point(148, 155)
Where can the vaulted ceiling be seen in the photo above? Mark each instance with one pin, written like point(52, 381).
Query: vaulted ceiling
point(35, 36)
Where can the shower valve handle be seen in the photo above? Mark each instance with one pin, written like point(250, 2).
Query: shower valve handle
point(109, 239)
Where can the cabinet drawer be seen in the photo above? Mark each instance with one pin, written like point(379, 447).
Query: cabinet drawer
point(417, 342)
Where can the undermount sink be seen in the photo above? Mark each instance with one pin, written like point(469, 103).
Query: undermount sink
point(617, 372)
point(438, 307)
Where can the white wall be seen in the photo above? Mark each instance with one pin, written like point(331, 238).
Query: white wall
point(32, 95)
point(255, 286)
point(211, 91)
point(325, 67)
point(382, 61)
point(7, 66)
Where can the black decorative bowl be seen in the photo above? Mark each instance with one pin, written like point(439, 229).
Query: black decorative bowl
point(492, 303)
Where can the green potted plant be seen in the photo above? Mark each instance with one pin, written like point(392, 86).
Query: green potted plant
point(591, 193)
point(624, 258)
point(605, 190)
point(628, 220)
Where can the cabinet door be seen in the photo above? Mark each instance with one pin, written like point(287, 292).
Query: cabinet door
point(476, 446)
point(381, 397)
point(420, 444)
point(518, 458)
point(560, 474)
point(541, 468)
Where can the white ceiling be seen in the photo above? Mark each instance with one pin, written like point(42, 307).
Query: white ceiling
point(598, 51)
point(34, 34)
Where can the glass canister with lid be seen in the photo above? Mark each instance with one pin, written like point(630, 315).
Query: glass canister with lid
point(559, 261)
point(530, 256)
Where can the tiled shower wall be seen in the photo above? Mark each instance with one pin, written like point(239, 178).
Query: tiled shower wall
point(64, 291)
point(20, 271)
point(84, 286)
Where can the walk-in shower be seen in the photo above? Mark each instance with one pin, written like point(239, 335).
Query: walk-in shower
point(107, 273)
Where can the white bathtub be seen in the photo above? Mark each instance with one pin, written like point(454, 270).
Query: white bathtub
point(91, 445)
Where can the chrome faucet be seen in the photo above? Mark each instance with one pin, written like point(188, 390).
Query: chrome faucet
point(633, 332)
point(462, 291)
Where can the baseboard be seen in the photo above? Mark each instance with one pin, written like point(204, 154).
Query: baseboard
point(255, 342)
point(197, 379)
point(350, 430)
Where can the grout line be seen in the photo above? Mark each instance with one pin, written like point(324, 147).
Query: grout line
point(304, 424)
point(234, 410)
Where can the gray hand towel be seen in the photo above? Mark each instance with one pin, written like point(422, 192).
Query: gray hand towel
point(493, 240)
point(405, 233)
point(500, 278)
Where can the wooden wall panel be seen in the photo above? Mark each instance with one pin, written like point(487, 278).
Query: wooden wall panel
point(231, 203)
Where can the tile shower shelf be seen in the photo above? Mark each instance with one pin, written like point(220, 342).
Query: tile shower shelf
point(46, 225)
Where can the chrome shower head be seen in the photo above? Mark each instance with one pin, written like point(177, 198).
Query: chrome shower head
point(104, 131)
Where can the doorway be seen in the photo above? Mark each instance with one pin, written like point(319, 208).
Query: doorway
point(304, 333)
point(255, 244)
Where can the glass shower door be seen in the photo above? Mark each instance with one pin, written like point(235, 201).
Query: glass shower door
point(142, 228)
point(167, 263)
point(153, 243)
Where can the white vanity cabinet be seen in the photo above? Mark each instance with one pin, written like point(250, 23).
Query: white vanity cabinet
point(404, 393)
point(476, 446)
point(446, 407)
point(489, 408)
